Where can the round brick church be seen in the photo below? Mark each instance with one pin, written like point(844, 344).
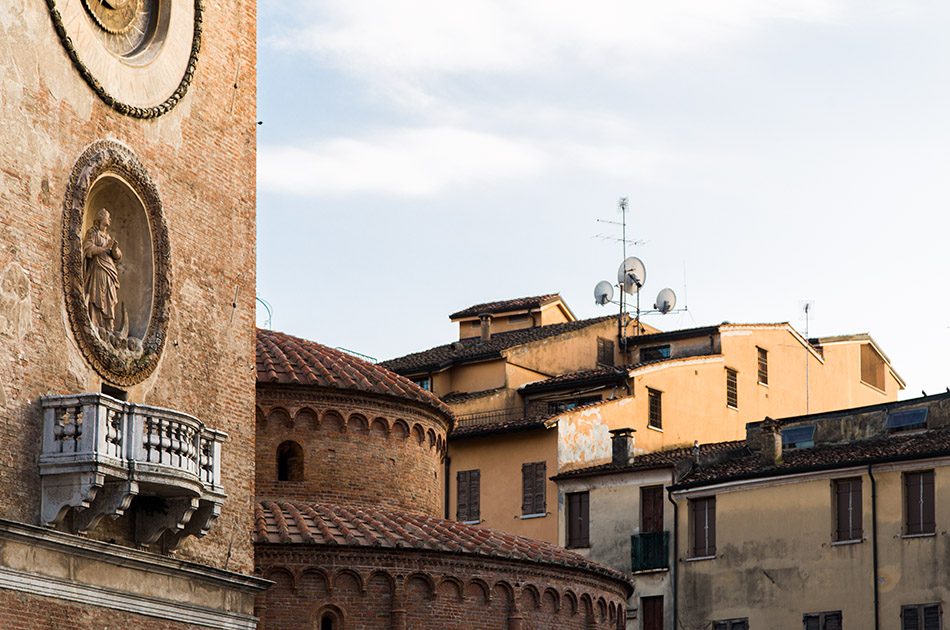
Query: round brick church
point(350, 484)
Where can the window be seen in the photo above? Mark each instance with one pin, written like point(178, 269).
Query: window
point(424, 382)
point(702, 529)
point(822, 621)
point(289, 462)
point(651, 509)
point(557, 406)
point(799, 437)
point(656, 408)
point(732, 388)
point(532, 488)
point(654, 353)
point(907, 420)
point(732, 624)
point(605, 352)
point(330, 621)
point(468, 508)
point(763, 366)
point(578, 519)
point(872, 366)
point(652, 610)
point(848, 509)
point(919, 516)
point(921, 617)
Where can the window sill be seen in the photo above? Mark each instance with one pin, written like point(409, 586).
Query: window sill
point(587, 546)
point(648, 571)
point(731, 407)
point(923, 535)
point(842, 543)
point(471, 522)
point(874, 387)
point(650, 426)
point(763, 384)
point(526, 517)
point(699, 558)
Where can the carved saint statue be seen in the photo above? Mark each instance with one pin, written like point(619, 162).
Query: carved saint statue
point(101, 278)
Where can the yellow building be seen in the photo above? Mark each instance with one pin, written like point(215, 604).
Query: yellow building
point(845, 527)
point(540, 396)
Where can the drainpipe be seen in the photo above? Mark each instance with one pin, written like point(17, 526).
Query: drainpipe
point(874, 546)
point(446, 490)
point(673, 564)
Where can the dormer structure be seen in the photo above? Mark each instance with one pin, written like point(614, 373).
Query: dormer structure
point(484, 320)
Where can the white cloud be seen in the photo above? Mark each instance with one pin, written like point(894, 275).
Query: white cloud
point(408, 40)
point(405, 162)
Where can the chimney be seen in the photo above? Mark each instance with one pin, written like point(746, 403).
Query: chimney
point(486, 326)
point(622, 442)
point(770, 442)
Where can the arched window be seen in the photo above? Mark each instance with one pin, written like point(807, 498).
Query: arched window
point(289, 462)
point(331, 620)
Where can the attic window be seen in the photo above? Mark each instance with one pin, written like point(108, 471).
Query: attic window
point(906, 420)
point(424, 382)
point(799, 437)
point(654, 353)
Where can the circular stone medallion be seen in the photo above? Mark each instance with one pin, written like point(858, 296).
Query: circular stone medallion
point(138, 55)
point(116, 263)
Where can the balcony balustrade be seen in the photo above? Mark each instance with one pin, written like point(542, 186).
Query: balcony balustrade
point(99, 453)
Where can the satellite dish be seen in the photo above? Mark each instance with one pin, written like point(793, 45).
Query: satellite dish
point(665, 301)
point(632, 275)
point(603, 292)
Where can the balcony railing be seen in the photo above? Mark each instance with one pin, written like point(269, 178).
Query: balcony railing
point(99, 453)
point(650, 552)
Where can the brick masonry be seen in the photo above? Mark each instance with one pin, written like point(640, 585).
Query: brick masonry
point(201, 155)
point(19, 611)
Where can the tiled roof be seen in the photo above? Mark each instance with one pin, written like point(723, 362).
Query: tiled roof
point(894, 447)
point(659, 459)
point(289, 360)
point(505, 306)
point(595, 376)
point(474, 349)
point(671, 335)
point(514, 425)
point(459, 397)
point(353, 526)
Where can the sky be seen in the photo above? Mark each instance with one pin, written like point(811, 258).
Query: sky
point(419, 156)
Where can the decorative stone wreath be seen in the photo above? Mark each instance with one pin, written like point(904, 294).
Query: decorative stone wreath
point(143, 90)
point(128, 365)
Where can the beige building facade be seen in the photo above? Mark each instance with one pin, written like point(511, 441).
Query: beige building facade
point(535, 401)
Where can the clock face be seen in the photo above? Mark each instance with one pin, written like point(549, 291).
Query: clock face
point(139, 56)
point(125, 27)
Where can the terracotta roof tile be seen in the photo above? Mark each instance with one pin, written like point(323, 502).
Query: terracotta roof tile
point(353, 526)
point(289, 360)
point(581, 377)
point(474, 349)
point(505, 306)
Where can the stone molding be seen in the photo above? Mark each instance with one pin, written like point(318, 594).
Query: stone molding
point(113, 100)
point(41, 580)
point(100, 158)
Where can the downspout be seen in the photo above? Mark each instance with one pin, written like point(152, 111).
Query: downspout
point(676, 528)
point(448, 462)
point(874, 546)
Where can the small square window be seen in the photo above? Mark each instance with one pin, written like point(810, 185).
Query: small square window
point(906, 420)
point(763, 356)
point(656, 408)
point(822, 621)
point(732, 388)
point(798, 437)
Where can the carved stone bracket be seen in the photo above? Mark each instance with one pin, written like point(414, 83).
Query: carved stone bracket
point(198, 525)
point(173, 518)
point(65, 491)
point(112, 500)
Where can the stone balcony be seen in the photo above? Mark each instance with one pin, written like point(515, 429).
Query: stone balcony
point(99, 453)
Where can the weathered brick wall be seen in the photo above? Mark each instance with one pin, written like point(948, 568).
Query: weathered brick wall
point(202, 157)
point(377, 590)
point(357, 448)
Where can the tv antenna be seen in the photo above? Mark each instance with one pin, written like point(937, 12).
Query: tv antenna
point(631, 276)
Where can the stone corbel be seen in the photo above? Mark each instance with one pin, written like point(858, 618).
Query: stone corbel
point(112, 500)
point(149, 526)
point(68, 490)
point(198, 525)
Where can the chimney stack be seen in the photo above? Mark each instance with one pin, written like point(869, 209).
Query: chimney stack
point(486, 326)
point(770, 444)
point(622, 442)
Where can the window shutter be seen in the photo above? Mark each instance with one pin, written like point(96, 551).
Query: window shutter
point(742, 624)
point(932, 617)
point(912, 509)
point(711, 520)
point(928, 523)
point(857, 509)
point(526, 490)
point(474, 496)
point(462, 509)
point(842, 497)
point(910, 619)
point(540, 505)
point(812, 622)
point(585, 519)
